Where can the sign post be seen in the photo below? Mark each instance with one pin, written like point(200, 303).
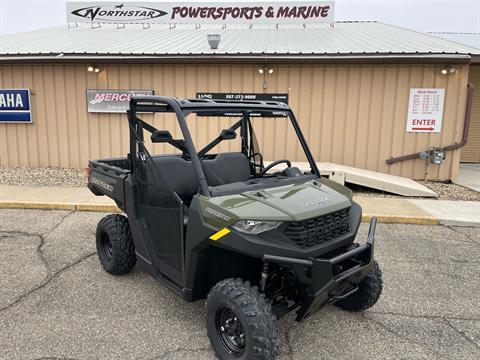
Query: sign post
point(15, 106)
point(425, 110)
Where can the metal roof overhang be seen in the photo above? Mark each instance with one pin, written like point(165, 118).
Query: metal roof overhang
point(377, 58)
point(475, 60)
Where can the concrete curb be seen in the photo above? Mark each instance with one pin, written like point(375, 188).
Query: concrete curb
point(5, 204)
point(401, 219)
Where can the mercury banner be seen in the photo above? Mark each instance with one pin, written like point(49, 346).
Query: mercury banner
point(295, 12)
point(111, 101)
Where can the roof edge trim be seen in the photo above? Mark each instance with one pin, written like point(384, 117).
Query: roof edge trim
point(233, 58)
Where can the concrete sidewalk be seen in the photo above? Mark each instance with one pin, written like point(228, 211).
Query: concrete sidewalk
point(387, 210)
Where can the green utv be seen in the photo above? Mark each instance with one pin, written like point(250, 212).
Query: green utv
point(257, 241)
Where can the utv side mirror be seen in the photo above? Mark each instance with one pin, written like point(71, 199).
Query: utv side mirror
point(161, 136)
point(228, 134)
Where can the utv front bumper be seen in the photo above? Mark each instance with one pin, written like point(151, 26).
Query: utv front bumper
point(331, 279)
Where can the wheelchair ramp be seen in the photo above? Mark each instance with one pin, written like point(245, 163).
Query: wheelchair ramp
point(371, 179)
point(375, 180)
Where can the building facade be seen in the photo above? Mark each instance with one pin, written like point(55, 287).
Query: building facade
point(351, 108)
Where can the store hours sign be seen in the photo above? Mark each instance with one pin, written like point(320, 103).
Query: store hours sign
point(425, 110)
point(15, 106)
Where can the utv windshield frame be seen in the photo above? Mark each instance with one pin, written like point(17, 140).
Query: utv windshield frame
point(203, 107)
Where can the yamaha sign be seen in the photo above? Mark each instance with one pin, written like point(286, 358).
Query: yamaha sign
point(15, 106)
point(299, 12)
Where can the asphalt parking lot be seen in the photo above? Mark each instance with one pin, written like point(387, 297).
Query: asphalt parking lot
point(56, 302)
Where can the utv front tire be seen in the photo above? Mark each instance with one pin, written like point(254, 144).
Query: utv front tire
point(369, 291)
point(115, 247)
point(240, 323)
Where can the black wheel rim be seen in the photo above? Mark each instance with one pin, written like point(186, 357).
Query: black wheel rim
point(106, 246)
point(231, 332)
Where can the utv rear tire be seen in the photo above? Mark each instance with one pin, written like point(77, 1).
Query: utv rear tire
point(115, 247)
point(240, 323)
point(369, 291)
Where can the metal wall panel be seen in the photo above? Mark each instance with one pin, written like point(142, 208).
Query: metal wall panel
point(471, 151)
point(351, 114)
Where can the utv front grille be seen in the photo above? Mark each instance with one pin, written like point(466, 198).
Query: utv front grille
point(318, 230)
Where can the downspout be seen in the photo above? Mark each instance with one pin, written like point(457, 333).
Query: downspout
point(456, 146)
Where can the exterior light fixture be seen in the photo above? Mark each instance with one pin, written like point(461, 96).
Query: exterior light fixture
point(449, 69)
point(94, 69)
point(264, 70)
point(213, 40)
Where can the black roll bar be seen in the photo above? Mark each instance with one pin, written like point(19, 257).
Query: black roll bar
point(174, 106)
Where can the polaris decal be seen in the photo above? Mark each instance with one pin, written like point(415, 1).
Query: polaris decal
point(218, 214)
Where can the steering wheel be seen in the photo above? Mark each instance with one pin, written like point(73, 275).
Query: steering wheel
point(275, 163)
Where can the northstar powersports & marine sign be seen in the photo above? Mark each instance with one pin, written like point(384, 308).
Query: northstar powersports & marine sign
point(202, 13)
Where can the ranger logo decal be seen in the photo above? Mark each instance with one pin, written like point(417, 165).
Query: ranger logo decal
point(101, 184)
point(319, 202)
point(217, 214)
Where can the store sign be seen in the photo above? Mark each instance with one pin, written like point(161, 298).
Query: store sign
point(300, 12)
point(425, 110)
point(112, 101)
point(244, 97)
point(283, 98)
point(15, 106)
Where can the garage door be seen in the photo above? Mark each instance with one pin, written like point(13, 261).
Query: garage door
point(471, 151)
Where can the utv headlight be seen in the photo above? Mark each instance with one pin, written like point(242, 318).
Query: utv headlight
point(255, 226)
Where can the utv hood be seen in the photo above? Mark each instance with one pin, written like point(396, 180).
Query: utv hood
point(284, 203)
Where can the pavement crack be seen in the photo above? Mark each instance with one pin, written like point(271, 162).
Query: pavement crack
point(470, 239)
point(43, 239)
point(462, 333)
point(404, 338)
point(431, 317)
point(60, 222)
point(46, 281)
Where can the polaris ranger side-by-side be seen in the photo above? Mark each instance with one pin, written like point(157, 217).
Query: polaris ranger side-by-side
point(257, 241)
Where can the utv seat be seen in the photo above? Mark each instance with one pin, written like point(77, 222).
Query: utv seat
point(226, 168)
point(172, 173)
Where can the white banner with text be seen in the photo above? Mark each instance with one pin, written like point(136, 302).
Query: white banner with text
point(295, 12)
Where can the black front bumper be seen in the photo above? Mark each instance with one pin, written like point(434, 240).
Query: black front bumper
point(332, 279)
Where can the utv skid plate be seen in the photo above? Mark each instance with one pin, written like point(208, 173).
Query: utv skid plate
point(330, 280)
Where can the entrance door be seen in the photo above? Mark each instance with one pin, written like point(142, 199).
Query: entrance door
point(471, 151)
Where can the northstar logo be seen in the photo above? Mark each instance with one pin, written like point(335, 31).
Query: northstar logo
point(118, 13)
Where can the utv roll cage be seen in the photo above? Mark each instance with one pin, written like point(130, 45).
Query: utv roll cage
point(202, 107)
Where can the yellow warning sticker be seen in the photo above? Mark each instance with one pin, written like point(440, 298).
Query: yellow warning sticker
point(219, 234)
